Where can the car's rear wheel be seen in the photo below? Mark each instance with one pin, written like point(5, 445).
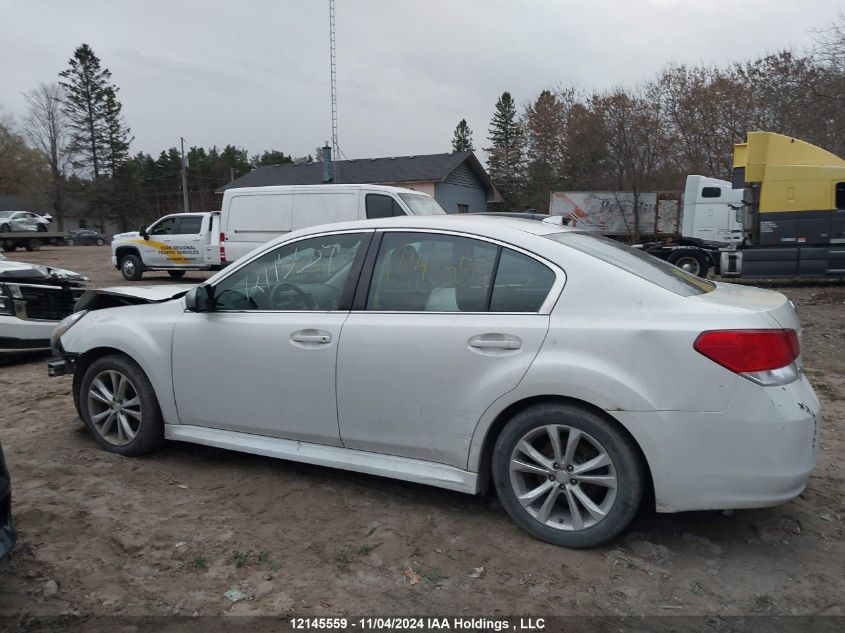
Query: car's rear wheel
point(69, 241)
point(176, 274)
point(567, 475)
point(119, 406)
point(100, 241)
point(131, 267)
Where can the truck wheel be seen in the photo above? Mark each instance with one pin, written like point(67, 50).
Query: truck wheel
point(567, 475)
point(9, 246)
point(131, 267)
point(33, 245)
point(119, 406)
point(176, 274)
point(691, 261)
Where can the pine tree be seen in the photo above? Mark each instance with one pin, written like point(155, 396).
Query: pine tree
point(86, 84)
point(505, 157)
point(462, 141)
point(117, 137)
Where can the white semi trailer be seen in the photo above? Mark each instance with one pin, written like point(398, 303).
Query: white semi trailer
point(689, 231)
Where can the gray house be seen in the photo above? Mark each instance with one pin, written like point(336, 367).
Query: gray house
point(457, 180)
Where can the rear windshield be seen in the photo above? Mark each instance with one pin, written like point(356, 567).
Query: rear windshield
point(421, 204)
point(635, 262)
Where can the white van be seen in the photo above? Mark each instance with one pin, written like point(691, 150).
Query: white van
point(251, 216)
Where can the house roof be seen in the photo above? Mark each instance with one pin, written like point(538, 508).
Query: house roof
point(397, 169)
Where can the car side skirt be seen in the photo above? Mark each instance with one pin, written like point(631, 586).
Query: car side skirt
point(404, 468)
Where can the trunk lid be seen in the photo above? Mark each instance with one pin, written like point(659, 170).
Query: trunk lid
point(775, 304)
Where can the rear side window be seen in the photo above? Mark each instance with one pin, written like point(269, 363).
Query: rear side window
point(635, 262)
point(420, 272)
point(380, 206)
point(190, 225)
point(522, 283)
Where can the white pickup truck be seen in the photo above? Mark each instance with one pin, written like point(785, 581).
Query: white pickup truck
point(251, 217)
point(175, 243)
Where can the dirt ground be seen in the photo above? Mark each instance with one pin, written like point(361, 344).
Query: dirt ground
point(171, 533)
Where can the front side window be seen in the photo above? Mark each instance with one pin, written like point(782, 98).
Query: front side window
point(421, 204)
point(381, 206)
point(166, 227)
point(309, 274)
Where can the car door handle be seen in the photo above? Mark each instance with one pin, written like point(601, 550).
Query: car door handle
point(495, 341)
point(311, 336)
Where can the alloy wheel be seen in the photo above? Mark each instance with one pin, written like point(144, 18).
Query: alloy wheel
point(563, 477)
point(114, 407)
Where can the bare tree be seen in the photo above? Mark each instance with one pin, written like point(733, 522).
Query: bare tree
point(45, 129)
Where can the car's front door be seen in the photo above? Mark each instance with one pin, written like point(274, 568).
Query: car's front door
point(263, 360)
point(449, 324)
point(156, 247)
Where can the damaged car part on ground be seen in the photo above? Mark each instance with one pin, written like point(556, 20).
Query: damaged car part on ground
point(33, 299)
point(575, 375)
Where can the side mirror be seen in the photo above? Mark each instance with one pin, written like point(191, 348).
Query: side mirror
point(142, 231)
point(199, 298)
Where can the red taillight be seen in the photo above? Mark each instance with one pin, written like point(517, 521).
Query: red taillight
point(745, 351)
point(222, 248)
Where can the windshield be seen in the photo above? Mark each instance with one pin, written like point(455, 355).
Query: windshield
point(636, 262)
point(421, 204)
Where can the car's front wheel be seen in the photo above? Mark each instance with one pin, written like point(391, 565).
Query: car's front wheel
point(119, 407)
point(567, 476)
point(131, 267)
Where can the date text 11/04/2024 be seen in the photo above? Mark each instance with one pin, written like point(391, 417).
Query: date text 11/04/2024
point(419, 624)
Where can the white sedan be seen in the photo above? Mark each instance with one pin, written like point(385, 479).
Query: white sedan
point(576, 375)
point(23, 221)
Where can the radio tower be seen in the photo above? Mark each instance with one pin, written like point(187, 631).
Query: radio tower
point(333, 65)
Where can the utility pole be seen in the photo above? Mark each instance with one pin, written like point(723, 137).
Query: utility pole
point(184, 178)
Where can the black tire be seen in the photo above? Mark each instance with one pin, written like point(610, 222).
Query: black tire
point(176, 274)
point(149, 434)
point(5, 228)
point(131, 267)
point(100, 241)
point(693, 261)
point(33, 245)
point(626, 465)
point(9, 246)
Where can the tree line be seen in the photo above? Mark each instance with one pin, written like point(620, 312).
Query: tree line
point(70, 152)
point(650, 137)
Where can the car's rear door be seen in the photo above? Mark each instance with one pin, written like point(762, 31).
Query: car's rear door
point(430, 344)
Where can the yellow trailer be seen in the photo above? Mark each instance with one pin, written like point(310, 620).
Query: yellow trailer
point(793, 212)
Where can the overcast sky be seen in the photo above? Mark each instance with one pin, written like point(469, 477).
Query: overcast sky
point(255, 73)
